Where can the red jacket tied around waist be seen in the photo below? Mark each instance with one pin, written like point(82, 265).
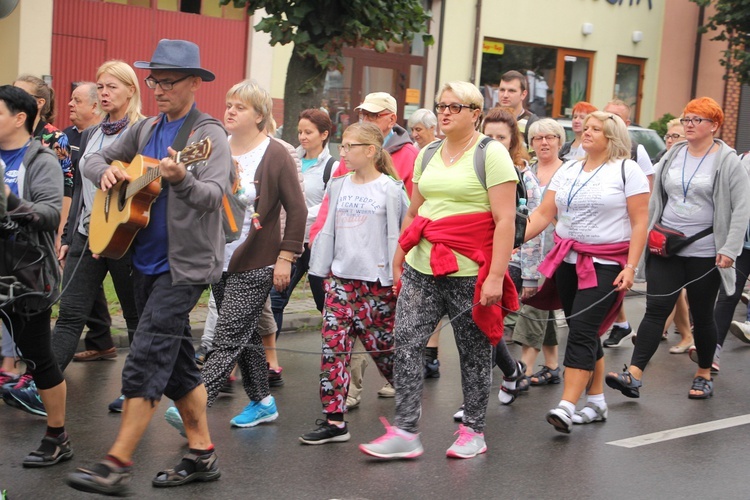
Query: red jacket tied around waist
point(471, 236)
point(548, 298)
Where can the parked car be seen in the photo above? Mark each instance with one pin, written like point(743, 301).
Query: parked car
point(649, 138)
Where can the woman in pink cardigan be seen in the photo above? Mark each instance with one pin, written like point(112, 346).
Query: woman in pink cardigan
point(601, 206)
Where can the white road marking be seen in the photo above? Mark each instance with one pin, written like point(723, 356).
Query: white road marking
point(680, 432)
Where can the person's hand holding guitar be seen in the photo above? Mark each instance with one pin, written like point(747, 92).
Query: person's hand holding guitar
point(112, 176)
point(172, 171)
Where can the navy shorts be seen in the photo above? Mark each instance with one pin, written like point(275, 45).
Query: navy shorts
point(162, 357)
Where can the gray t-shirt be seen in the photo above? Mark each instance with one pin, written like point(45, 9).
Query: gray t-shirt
point(361, 246)
point(690, 206)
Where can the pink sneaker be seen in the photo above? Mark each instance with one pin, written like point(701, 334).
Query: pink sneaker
point(395, 443)
point(468, 445)
point(8, 379)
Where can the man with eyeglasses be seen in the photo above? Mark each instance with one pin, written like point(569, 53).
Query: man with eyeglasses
point(174, 258)
point(380, 108)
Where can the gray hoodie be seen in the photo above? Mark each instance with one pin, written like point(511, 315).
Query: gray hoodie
point(196, 236)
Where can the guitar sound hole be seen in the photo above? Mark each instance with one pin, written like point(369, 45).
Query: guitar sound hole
point(122, 196)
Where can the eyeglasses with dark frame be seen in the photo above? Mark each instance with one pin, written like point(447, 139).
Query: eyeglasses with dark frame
point(152, 82)
point(369, 115)
point(348, 147)
point(694, 121)
point(454, 108)
point(549, 138)
point(674, 137)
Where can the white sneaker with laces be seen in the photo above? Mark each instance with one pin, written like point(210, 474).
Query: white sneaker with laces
point(395, 443)
point(741, 330)
point(468, 445)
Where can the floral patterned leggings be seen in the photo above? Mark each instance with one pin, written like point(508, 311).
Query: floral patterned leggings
point(364, 309)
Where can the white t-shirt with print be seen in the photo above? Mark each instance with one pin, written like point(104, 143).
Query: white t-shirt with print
point(592, 206)
point(360, 250)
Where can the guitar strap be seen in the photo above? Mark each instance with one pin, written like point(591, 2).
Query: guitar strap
point(180, 141)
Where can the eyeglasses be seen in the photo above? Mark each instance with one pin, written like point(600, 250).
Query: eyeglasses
point(674, 137)
point(694, 121)
point(454, 108)
point(348, 147)
point(539, 138)
point(152, 82)
point(368, 115)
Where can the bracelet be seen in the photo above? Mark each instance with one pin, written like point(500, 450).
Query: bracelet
point(631, 266)
point(281, 257)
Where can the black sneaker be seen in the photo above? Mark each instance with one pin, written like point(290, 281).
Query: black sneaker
point(326, 433)
point(432, 369)
point(192, 468)
point(618, 336)
point(51, 451)
point(104, 477)
point(274, 377)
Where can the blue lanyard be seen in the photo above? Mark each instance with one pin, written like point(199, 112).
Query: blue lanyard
point(684, 162)
point(572, 194)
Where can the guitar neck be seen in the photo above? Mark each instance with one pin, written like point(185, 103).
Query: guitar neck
point(152, 173)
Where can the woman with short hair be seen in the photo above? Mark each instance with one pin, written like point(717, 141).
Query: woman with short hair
point(701, 189)
point(457, 241)
point(601, 207)
point(573, 150)
point(423, 126)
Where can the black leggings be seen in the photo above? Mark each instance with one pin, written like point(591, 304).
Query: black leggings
point(33, 337)
point(584, 347)
point(726, 304)
point(667, 275)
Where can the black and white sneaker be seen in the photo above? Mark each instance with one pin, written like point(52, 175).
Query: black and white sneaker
point(326, 433)
point(618, 336)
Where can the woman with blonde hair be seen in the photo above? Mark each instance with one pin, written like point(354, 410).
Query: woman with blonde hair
point(600, 204)
point(354, 251)
point(454, 254)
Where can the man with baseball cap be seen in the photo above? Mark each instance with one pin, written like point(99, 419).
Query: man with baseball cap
point(174, 258)
point(380, 108)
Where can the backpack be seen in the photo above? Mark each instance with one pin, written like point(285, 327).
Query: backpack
point(327, 171)
point(480, 153)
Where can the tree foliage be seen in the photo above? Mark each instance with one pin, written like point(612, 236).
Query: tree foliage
point(320, 29)
point(732, 22)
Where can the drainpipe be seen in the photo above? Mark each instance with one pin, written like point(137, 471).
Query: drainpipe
point(697, 53)
point(475, 57)
point(440, 45)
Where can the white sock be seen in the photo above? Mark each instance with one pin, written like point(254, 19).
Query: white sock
point(568, 406)
point(404, 433)
point(504, 397)
point(267, 400)
point(717, 353)
point(624, 325)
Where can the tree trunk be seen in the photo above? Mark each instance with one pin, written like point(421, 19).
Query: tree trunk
point(303, 89)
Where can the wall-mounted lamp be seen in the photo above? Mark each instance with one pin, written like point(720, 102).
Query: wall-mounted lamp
point(637, 36)
point(587, 29)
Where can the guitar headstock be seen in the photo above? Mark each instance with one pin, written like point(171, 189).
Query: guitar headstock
point(195, 152)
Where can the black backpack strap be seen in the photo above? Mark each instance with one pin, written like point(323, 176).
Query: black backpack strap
point(187, 126)
point(622, 172)
point(327, 171)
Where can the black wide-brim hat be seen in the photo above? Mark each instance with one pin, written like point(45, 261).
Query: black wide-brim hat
point(177, 55)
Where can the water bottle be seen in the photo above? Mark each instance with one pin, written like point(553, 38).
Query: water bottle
point(522, 218)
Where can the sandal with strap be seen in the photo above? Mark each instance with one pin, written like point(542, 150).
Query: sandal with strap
point(53, 450)
point(625, 382)
point(581, 417)
point(520, 375)
point(546, 376)
point(205, 469)
point(703, 385)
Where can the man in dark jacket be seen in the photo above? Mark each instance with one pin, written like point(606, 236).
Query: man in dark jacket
point(174, 258)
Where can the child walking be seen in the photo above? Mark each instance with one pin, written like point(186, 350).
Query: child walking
point(354, 250)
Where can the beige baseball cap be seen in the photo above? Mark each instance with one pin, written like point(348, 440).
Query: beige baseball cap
point(378, 102)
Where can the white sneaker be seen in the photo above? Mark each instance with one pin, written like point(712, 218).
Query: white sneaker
point(393, 444)
point(459, 415)
point(741, 330)
point(352, 402)
point(387, 391)
point(468, 445)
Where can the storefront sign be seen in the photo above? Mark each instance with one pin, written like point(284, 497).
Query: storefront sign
point(493, 48)
point(637, 2)
point(412, 96)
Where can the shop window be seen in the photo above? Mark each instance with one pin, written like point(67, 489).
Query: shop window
point(629, 84)
point(556, 78)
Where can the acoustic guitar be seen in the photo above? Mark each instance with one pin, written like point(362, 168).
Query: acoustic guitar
point(120, 212)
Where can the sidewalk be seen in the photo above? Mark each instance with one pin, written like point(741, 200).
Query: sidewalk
point(300, 315)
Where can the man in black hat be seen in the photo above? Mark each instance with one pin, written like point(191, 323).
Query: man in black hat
point(174, 258)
